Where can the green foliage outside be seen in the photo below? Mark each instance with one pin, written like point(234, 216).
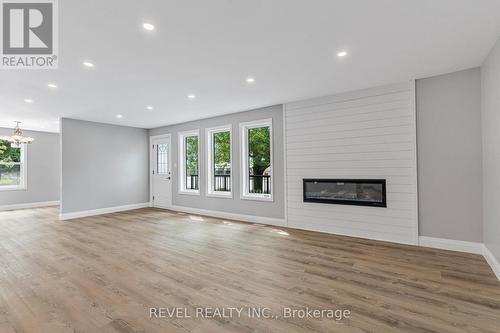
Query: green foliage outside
point(9, 173)
point(259, 155)
point(191, 155)
point(8, 153)
point(259, 150)
point(222, 152)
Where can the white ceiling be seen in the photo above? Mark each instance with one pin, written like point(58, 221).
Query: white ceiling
point(209, 48)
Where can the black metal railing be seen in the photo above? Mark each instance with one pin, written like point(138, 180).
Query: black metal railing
point(257, 183)
point(222, 183)
point(192, 182)
point(260, 184)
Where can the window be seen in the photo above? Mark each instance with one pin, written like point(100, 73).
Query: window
point(219, 181)
point(256, 160)
point(162, 159)
point(12, 167)
point(189, 165)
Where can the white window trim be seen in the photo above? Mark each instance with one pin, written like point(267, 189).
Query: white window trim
point(23, 170)
point(244, 194)
point(209, 132)
point(182, 170)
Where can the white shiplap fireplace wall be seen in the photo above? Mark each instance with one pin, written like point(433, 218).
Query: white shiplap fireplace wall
point(364, 134)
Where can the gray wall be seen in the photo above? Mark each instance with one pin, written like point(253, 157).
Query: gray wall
point(275, 209)
point(490, 72)
point(43, 170)
point(449, 156)
point(103, 165)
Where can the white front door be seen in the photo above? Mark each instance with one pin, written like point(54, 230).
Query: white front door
point(161, 172)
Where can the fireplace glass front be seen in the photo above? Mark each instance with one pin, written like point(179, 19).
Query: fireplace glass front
point(361, 192)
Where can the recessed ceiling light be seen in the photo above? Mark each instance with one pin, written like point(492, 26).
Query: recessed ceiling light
point(148, 26)
point(250, 80)
point(341, 54)
point(149, 107)
point(191, 96)
point(119, 116)
point(52, 85)
point(88, 64)
point(27, 100)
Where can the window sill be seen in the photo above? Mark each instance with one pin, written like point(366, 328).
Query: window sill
point(187, 192)
point(13, 188)
point(257, 198)
point(227, 195)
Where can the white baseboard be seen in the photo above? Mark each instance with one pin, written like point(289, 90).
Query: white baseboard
point(451, 244)
point(492, 261)
point(232, 216)
point(100, 211)
point(29, 205)
point(462, 246)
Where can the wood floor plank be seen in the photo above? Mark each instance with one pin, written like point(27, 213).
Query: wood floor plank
point(104, 273)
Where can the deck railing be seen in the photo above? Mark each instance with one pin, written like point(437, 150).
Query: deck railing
point(222, 183)
point(260, 184)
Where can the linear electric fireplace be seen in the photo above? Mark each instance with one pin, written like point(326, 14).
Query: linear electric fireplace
point(360, 192)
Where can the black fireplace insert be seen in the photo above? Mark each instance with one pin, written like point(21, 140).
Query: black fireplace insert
point(360, 192)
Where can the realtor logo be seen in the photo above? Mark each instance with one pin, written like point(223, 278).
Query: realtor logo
point(29, 34)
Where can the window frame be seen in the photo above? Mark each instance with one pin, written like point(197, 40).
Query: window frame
point(23, 172)
point(182, 162)
point(245, 172)
point(209, 133)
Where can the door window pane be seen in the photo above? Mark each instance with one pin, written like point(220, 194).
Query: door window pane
point(162, 159)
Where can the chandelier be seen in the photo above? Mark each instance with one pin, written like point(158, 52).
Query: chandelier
point(18, 138)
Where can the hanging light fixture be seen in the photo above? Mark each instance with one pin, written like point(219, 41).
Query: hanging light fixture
point(18, 138)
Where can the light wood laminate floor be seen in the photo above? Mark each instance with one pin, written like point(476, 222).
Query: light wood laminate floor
point(104, 273)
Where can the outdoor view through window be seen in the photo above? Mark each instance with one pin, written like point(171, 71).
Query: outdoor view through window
point(10, 165)
point(192, 176)
point(222, 161)
point(259, 160)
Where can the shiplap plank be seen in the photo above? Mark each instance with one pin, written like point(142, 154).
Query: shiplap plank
point(360, 163)
point(333, 126)
point(370, 219)
point(325, 138)
point(353, 156)
point(322, 210)
point(368, 141)
point(350, 115)
point(349, 173)
point(355, 232)
point(352, 149)
point(369, 96)
point(368, 224)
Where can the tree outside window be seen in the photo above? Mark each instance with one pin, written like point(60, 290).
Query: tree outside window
point(191, 144)
point(259, 159)
point(221, 167)
point(222, 153)
point(10, 164)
